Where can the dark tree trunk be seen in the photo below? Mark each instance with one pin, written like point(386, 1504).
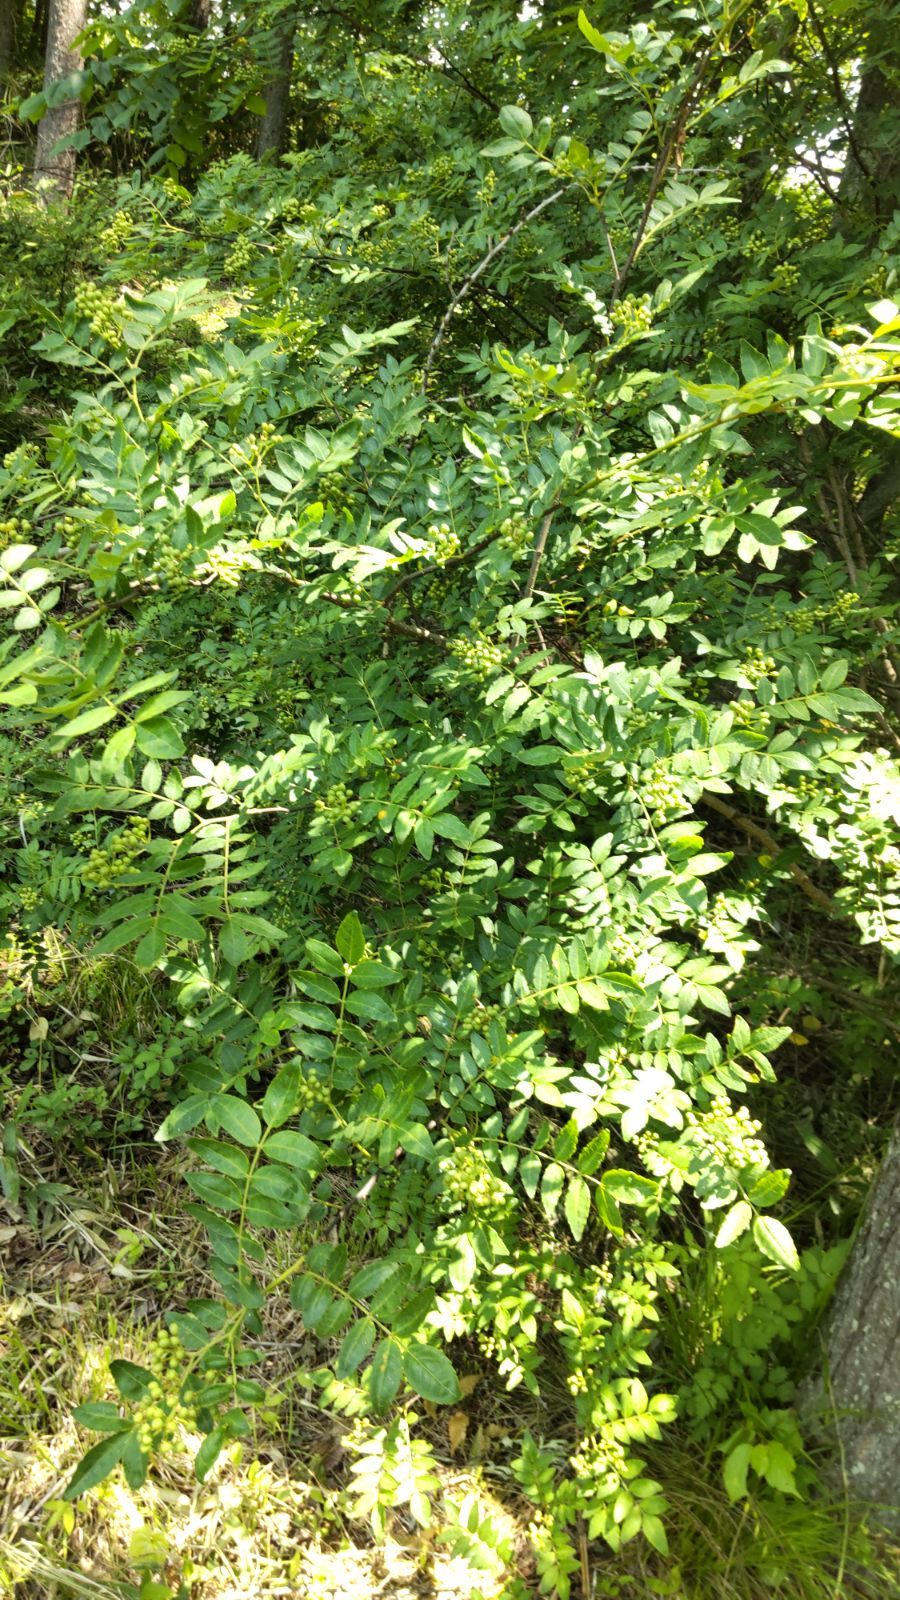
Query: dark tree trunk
point(871, 178)
point(200, 13)
point(860, 1392)
point(7, 38)
point(66, 20)
point(277, 92)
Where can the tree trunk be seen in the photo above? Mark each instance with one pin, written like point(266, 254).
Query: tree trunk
point(277, 92)
point(65, 22)
point(200, 13)
point(860, 1392)
point(870, 181)
point(7, 38)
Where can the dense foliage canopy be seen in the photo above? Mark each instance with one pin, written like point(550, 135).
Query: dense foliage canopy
point(450, 686)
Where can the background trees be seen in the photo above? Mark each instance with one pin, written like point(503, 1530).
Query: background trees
point(449, 573)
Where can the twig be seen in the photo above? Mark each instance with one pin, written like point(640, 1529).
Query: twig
point(441, 566)
point(772, 847)
point(482, 266)
point(620, 279)
point(457, 72)
point(839, 95)
point(540, 545)
point(670, 144)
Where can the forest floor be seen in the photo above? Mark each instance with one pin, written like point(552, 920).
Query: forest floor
point(86, 1276)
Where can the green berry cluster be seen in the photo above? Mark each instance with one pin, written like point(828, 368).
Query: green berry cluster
point(24, 455)
point(757, 243)
point(467, 1181)
point(174, 192)
point(786, 276)
point(242, 255)
point(98, 307)
point(662, 793)
point(425, 231)
point(481, 658)
point(485, 194)
point(836, 612)
point(600, 1458)
point(296, 210)
point(756, 666)
point(255, 446)
point(748, 715)
point(312, 1092)
point(13, 531)
point(583, 774)
point(515, 533)
point(633, 315)
point(29, 897)
point(109, 861)
point(445, 542)
point(117, 233)
point(806, 787)
point(728, 1134)
point(163, 1412)
point(167, 565)
point(337, 804)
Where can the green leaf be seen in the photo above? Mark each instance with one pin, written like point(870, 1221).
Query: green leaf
point(294, 1149)
point(551, 1188)
point(209, 1452)
point(356, 1345)
point(430, 1374)
point(183, 1117)
point(385, 1374)
point(417, 1140)
point(773, 1239)
point(629, 1188)
point(734, 1471)
point(593, 1153)
point(324, 959)
point(151, 947)
point(233, 943)
point(280, 1099)
point(447, 826)
point(516, 122)
point(237, 1118)
point(735, 1222)
point(577, 1206)
point(87, 722)
point(159, 737)
point(97, 1464)
point(369, 1006)
point(350, 939)
point(566, 1141)
point(131, 1381)
point(221, 1157)
point(102, 1416)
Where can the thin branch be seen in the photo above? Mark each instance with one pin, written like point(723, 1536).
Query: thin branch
point(676, 132)
point(839, 95)
point(772, 847)
point(482, 266)
point(450, 67)
point(441, 566)
point(537, 554)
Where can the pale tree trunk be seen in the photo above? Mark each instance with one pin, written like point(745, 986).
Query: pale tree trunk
point(277, 92)
point(859, 1392)
point(66, 20)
